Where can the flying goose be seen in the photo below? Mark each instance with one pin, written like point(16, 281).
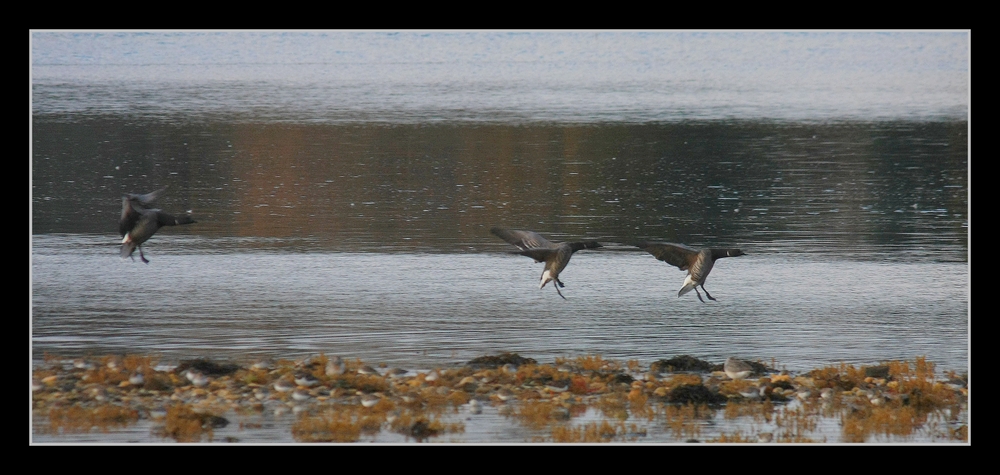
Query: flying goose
point(554, 255)
point(138, 223)
point(698, 263)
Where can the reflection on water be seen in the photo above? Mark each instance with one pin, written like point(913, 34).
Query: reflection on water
point(855, 189)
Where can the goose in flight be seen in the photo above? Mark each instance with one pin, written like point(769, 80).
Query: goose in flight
point(698, 263)
point(554, 255)
point(138, 223)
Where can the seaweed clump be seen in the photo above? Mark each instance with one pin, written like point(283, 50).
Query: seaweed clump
point(681, 363)
point(184, 423)
point(695, 394)
point(493, 362)
point(208, 367)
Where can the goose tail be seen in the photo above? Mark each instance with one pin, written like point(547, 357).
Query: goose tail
point(128, 247)
point(546, 277)
point(688, 285)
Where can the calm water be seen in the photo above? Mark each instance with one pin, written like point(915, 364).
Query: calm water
point(344, 184)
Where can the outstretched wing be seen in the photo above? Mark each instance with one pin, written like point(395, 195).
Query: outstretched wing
point(130, 216)
point(148, 198)
point(674, 254)
point(524, 240)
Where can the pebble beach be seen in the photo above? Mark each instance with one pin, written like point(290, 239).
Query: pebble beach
point(504, 399)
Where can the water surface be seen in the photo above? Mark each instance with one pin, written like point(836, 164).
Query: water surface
point(422, 310)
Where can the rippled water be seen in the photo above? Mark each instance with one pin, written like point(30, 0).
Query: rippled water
point(344, 184)
point(506, 77)
point(424, 310)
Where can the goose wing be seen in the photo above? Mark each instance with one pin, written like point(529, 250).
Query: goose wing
point(148, 198)
point(524, 240)
point(130, 216)
point(674, 254)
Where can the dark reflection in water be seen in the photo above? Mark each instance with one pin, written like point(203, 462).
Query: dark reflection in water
point(861, 190)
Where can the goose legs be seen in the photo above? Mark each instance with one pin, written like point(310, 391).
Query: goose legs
point(557, 290)
point(559, 284)
point(706, 294)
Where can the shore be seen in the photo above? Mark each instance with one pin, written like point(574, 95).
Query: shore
point(589, 399)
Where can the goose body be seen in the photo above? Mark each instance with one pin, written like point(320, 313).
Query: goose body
point(555, 255)
point(133, 204)
point(697, 262)
point(138, 223)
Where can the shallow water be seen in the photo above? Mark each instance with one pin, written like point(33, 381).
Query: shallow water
point(344, 184)
point(422, 310)
point(494, 425)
